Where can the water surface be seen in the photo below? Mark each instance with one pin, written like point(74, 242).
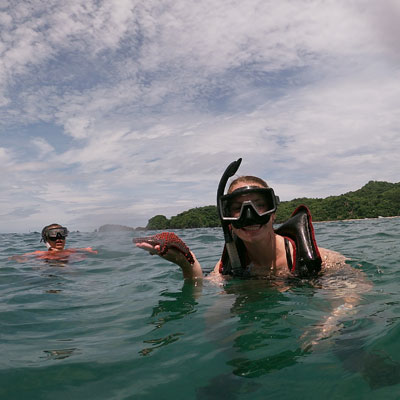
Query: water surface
point(123, 325)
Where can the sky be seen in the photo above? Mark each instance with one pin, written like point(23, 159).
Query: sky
point(116, 111)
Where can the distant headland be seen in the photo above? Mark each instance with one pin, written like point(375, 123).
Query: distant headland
point(375, 199)
point(117, 228)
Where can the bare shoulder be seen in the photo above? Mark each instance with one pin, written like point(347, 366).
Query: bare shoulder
point(331, 258)
point(334, 265)
point(339, 275)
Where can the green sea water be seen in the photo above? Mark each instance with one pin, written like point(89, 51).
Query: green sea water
point(123, 325)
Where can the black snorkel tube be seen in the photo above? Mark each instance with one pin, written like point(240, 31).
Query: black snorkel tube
point(229, 241)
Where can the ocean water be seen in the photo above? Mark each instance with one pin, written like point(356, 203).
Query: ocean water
point(123, 325)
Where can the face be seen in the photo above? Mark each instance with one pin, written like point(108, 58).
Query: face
point(57, 242)
point(251, 232)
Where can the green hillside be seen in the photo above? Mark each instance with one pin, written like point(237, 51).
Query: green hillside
point(371, 201)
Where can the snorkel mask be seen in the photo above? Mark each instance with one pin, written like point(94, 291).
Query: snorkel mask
point(52, 234)
point(257, 209)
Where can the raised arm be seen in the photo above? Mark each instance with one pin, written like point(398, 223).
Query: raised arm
point(170, 247)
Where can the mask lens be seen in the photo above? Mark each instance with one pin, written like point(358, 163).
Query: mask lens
point(54, 238)
point(262, 200)
point(57, 233)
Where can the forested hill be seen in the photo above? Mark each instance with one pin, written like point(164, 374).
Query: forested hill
point(375, 199)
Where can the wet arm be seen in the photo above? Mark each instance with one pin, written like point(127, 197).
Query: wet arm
point(26, 256)
point(349, 292)
point(89, 250)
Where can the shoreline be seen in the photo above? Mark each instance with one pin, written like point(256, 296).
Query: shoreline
point(354, 219)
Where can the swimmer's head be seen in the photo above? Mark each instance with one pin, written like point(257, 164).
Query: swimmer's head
point(54, 236)
point(249, 201)
point(247, 180)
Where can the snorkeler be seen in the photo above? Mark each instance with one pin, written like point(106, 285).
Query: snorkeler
point(253, 248)
point(54, 237)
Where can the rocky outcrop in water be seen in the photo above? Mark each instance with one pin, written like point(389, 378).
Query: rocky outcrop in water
point(114, 228)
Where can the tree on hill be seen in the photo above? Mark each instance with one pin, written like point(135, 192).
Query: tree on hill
point(200, 217)
point(158, 222)
point(374, 199)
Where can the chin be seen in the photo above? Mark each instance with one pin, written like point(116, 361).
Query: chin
point(252, 228)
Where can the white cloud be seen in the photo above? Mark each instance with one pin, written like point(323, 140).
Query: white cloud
point(43, 146)
point(4, 156)
point(385, 19)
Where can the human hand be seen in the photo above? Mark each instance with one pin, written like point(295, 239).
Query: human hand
point(90, 250)
point(172, 255)
point(170, 247)
point(163, 243)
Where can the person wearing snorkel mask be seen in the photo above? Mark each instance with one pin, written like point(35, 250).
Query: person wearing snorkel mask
point(249, 209)
point(253, 248)
point(54, 237)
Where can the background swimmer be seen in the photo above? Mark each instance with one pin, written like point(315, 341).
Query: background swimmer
point(54, 237)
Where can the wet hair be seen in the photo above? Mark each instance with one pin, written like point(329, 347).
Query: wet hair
point(249, 179)
point(44, 230)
